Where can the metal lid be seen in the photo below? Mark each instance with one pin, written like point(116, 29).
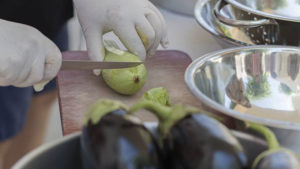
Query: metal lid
point(287, 10)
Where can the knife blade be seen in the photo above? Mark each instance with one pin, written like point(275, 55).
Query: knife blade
point(90, 65)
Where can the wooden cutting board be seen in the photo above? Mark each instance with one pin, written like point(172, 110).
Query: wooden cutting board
point(79, 89)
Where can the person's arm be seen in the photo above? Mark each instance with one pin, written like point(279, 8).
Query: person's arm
point(27, 57)
point(138, 24)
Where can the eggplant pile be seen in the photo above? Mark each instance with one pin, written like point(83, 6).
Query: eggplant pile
point(187, 138)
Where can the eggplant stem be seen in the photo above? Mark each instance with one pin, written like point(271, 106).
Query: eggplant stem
point(162, 112)
point(267, 134)
point(167, 116)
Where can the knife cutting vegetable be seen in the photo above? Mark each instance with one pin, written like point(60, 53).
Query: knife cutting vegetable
point(90, 65)
point(124, 81)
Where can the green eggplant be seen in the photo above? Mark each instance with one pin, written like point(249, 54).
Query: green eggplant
point(112, 139)
point(276, 157)
point(191, 139)
point(126, 81)
point(158, 95)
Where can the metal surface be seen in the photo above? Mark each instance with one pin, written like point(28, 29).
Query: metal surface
point(246, 27)
point(287, 10)
point(204, 15)
point(234, 22)
point(61, 154)
point(90, 65)
point(279, 33)
point(255, 83)
point(65, 153)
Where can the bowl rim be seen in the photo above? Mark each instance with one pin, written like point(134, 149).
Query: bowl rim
point(43, 149)
point(246, 9)
point(201, 21)
point(190, 82)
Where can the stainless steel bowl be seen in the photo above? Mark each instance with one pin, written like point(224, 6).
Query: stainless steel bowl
point(256, 83)
point(65, 153)
point(259, 28)
point(287, 10)
point(233, 27)
point(204, 14)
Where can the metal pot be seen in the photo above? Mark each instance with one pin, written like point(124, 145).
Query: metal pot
point(260, 27)
point(65, 153)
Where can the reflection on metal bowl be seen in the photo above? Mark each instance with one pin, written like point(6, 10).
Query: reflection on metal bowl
point(257, 83)
point(205, 17)
point(258, 29)
point(234, 27)
point(287, 10)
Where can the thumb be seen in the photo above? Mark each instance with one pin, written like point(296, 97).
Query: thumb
point(95, 47)
point(40, 86)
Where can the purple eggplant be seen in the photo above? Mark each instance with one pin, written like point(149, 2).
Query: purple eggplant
point(275, 157)
point(112, 140)
point(193, 140)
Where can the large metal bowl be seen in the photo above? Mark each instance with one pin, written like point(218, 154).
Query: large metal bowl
point(256, 83)
point(65, 153)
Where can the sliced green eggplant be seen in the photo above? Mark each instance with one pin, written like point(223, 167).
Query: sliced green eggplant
point(159, 95)
point(126, 81)
point(111, 139)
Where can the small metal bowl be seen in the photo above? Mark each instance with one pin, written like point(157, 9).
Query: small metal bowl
point(256, 83)
point(232, 27)
point(204, 14)
point(259, 28)
point(287, 10)
point(65, 153)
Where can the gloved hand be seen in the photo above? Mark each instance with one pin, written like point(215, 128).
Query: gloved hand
point(27, 57)
point(138, 24)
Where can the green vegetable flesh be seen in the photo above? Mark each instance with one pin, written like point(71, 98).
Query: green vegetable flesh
point(159, 95)
point(101, 108)
point(127, 81)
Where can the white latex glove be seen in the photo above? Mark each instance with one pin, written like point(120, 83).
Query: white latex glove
point(138, 24)
point(27, 57)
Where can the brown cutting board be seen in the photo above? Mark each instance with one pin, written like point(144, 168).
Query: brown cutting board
point(79, 89)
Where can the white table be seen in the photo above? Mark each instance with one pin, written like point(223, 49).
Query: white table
point(185, 34)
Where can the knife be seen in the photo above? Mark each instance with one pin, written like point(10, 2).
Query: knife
point(90, 65)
